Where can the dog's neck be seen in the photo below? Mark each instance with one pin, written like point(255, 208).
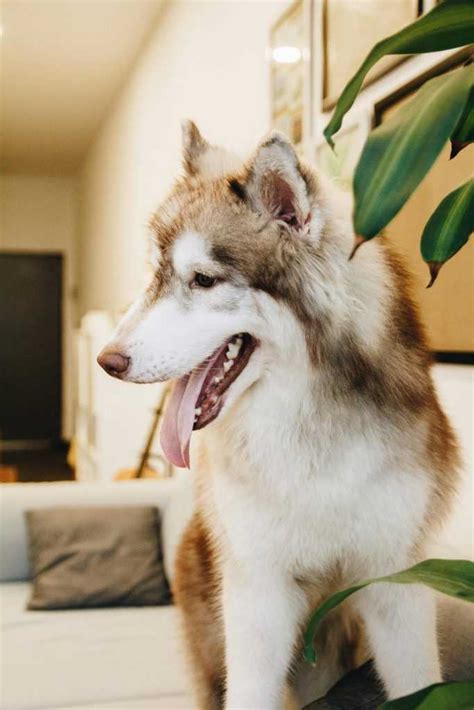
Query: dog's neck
point(329, 379)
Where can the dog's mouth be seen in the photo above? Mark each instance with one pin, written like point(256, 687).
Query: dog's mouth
point(199, 396)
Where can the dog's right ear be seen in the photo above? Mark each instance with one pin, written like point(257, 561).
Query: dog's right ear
point(275, 185)
point(194, 147)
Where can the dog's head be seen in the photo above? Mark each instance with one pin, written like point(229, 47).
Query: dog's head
point(230, 254)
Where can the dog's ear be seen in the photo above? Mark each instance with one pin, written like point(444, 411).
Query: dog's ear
point(194, 147)
point(202, 159)
point(275, 185)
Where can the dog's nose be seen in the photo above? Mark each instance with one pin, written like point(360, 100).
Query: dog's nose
point(114, 363)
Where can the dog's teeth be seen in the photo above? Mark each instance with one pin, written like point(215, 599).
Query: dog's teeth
point(198, 411)
point(218, 379)
point(228, 365)
point(233, 350)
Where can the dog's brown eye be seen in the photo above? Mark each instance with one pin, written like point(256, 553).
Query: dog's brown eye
point(203, 280)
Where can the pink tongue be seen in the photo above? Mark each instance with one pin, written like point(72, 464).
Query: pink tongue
point(178, 421)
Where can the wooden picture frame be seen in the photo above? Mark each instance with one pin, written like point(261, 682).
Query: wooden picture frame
point(336, 71)
point(290, 78)
point(449, 305)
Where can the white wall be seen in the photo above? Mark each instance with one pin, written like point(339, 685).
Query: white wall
point(39, 214)
point(205, 61)
point(455, 386)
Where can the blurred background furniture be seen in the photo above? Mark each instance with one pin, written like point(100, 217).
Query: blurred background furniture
point(8, 474)
point(89, 658)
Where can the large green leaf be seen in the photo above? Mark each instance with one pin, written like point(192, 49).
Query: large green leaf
point(452, 577)
point(399, 153)
point(464, 131)
point(448, 25)
point(448, 228)
point(441, 696)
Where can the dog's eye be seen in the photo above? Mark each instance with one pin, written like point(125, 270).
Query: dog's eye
point(203, 281)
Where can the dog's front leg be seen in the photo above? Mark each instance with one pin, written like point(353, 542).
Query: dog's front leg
point(401, 626)
point(263, 608)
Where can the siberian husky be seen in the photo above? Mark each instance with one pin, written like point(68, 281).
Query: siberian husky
point(320, 450)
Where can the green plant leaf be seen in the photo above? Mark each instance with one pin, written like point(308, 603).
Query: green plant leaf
point(398, 154)
point(452, 577)
point(448, 228)
point(448, 25)
point(464, 131)
point(441, 696)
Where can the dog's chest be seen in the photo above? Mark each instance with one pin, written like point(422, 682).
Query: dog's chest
point(309, 502)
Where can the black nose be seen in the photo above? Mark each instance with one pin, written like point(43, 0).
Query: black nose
point(114, 363)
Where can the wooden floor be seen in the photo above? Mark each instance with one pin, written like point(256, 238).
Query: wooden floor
point(37, 466)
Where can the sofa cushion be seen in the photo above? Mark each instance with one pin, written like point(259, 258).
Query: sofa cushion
point(15, 498)
point(89, 657)
point(96, 556)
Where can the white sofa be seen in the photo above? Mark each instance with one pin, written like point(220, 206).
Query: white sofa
point(91, 658)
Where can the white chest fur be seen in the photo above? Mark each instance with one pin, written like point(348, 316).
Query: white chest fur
point(290, 490)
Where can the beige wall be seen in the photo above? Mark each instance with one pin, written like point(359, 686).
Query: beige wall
point(39, 214)
point(205, 61)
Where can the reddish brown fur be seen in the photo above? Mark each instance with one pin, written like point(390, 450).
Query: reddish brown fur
point(197, 590)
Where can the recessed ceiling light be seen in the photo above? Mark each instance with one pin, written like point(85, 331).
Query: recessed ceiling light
point(286, 55)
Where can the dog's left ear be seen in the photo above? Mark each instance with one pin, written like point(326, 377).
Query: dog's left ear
point(275, 184)
point(203, 160)
point(194, 147)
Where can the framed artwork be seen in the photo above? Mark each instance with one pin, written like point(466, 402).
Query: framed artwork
point(290, 68)
point(448, 307)
point(339, 164)
point(348, 34)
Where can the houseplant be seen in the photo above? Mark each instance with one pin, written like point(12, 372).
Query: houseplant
point(452, 577)
point(399, 153)
point(396, 157)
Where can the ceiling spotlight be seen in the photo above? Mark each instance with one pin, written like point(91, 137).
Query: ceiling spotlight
point(286, 55)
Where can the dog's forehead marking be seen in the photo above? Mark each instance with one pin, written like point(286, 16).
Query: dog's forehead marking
point(190, 249)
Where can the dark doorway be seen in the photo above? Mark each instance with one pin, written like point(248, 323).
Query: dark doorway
point(30, 350)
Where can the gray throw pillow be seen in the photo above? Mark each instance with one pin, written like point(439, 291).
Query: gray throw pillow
point(96, 556)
